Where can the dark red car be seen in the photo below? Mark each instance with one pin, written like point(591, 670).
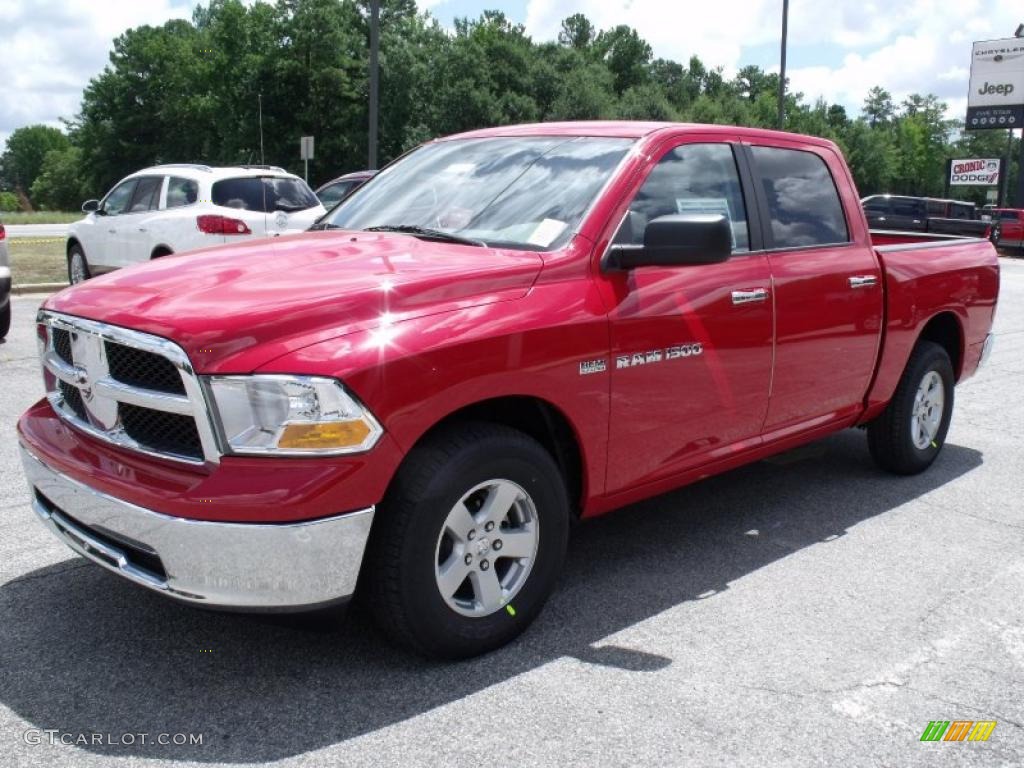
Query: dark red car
point(1008, 227)
point(333, 192)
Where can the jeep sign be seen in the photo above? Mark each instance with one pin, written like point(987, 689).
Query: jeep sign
point(974, 172)
point(996, 95)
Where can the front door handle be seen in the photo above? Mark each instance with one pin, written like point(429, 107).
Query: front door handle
point(142, 229)
point(748, 297)
point(863, 281)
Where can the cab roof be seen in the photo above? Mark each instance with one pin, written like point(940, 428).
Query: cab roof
point(628, 129)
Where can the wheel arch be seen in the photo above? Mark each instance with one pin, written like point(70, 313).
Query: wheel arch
point(71, 243)
point(537, 417)
point(160, 250)
point(946, 330)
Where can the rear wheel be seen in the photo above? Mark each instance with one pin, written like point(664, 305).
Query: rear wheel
point(910, 433)
point(78, 267)
point(469, 542)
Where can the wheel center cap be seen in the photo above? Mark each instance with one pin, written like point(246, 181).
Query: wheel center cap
point(483, 546)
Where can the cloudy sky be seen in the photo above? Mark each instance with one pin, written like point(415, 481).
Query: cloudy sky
point(838, 48)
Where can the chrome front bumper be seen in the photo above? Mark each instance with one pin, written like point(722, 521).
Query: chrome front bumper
point(219, 565)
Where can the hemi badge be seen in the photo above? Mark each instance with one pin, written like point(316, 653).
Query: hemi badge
point(593, 366)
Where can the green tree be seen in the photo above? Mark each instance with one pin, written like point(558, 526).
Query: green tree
point(58, 186)
point(26, 149)
point(577, 32)
point(878, 107)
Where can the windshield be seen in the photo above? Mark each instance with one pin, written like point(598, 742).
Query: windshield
point(264, 193)
point(527, 193)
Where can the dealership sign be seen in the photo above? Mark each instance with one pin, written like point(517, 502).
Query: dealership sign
point(996, 95)
point(976, 172)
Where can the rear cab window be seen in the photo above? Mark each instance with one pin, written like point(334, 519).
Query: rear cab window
point(264, 194)
point(802, 197)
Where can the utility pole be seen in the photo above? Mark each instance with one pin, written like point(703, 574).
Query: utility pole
point(374, 79)
point(259, 99)
point(782, 67)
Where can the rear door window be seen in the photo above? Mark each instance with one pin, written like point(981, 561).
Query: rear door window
point(147, 194)
point(803, 201)
point(181, 192)
point(264, 194)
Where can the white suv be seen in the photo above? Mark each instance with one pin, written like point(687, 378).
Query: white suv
point(174, 208)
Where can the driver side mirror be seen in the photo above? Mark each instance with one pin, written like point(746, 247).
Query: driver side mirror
point(676, 240)
point(90, 206)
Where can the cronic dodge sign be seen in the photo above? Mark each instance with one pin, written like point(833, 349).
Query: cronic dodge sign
point(996, 95)
point(980, 172)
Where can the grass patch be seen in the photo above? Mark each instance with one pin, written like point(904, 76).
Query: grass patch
point(33, 261)
point(39, 217)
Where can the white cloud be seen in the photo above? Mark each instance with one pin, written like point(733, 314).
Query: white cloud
point(909, 46)
point(52, 47)
point(716, 32)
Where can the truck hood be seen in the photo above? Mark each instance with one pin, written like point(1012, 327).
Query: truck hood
point(234, 308)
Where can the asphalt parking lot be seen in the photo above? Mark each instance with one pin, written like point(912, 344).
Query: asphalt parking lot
point(807, 610)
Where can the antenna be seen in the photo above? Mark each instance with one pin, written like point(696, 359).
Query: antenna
point(259, 98)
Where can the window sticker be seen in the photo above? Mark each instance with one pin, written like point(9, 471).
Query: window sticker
point(707, 205)
point(546, 232)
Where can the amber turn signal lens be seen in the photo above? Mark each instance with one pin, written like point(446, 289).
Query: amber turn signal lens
point(328, 435)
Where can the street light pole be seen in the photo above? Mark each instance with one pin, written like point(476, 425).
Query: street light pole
point(374, 79)
point(782, 67)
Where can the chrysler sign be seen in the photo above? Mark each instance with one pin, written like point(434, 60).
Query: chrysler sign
point(996, 95)
point(975, 172)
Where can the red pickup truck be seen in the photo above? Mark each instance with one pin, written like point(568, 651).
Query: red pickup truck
point(501, 332)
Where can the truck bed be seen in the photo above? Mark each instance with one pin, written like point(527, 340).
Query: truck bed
point(930, 275)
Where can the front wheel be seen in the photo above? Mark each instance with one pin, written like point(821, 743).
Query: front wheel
point(5, 320)
point(78, 267)
point(910, 433)
point(469, 542)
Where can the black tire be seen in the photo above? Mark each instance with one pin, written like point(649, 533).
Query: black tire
point(399, 582)
point(73, 251)
point(5, 319)
point(890, 435)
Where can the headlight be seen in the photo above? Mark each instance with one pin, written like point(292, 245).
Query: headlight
point(301, 415)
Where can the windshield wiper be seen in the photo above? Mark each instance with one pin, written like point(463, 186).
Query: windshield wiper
point(322, 225)
point(427, 233)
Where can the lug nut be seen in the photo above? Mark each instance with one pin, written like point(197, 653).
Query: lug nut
point(468, 560)
point(484, 565)
point(471, 535)
point(489, 527)
point(497, 545)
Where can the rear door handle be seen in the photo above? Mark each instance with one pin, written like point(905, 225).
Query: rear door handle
point(748, 297)
point(863, 281)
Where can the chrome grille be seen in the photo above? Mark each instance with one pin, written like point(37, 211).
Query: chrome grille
point(139, 368)
point(129, 388)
